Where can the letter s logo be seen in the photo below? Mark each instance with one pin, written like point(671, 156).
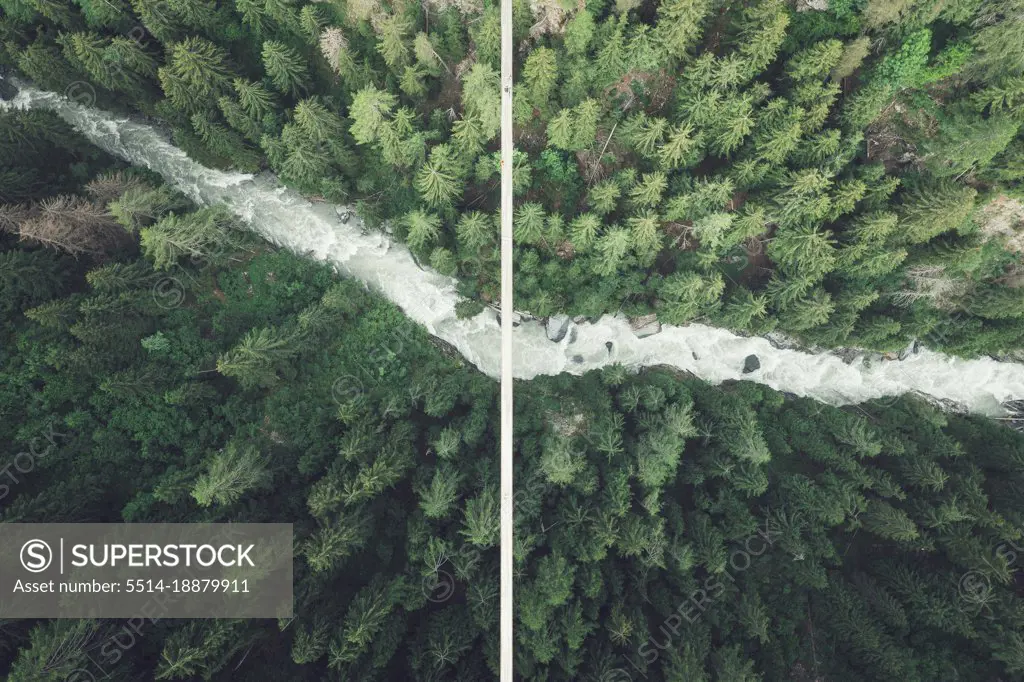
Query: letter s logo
point(36, 556)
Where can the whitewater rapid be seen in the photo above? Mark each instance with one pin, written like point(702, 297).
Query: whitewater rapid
point(335, 234)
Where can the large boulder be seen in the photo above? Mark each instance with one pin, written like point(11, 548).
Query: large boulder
point(645, 326)
point(557, 327)
point(751, 364)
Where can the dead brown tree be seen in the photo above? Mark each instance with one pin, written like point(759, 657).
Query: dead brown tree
point(67, 223)
point(111, 186)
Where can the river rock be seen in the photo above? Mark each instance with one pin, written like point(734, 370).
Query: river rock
point(751, 364)
point(516, 317)
point(557, 327)
point(781, 341)
point(848, 355)
point(645, 326)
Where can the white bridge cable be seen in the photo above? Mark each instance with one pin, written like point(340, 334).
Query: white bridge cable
point(335, 234)
point(507, 313)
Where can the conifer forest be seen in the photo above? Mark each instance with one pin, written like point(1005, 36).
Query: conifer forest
point(845, 174)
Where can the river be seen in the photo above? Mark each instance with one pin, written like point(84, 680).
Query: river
point(335, 234)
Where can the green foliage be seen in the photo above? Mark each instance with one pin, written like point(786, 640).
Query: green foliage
point(206, 235)
point(196, 73)
point(275, 391)
point(422, 229)
point(640, 133)
point(233, 472)
point(284, 67)
point(931, 210)
point(748, 166)
point(437, 178)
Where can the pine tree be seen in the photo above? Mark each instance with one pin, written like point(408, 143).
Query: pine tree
point(930, 210)
point(238, 119)
point(58, 648)
point(142, 205)
point(611, 248)
point(560, 130)
point(195, 14)
point(29, 278)
point(205, 235)
point(745, 310)
point(310, 643)
point(118, 64)
point(366, 616)
point(681, 149)
point(120, 277)
point(611, 57)
point(317, 121)
point(412, 82)
point(469, 136)
point(679, 25)
point(196, 74)
point(684, 296)
point(73, 225)
point(369, 113)
point(284, 68)
point(815, 62)
point(437, 180)
point(233, 472)
point(253, 361)
point(803, 250)
point(254, 98)
point(584, 229)
point(649, 191)
point(312, 20)
point(255, 16)
point(486, 34)
point(422, 229)
point(476, 230)
point(579, 32)
point(586, 116)
point(426, 55)
point(392, 46)
point(966, 141)
point(529, 223)
point(854, 53)
point(540, 73)
point(714, 231)
point(480, 522)
point(808, 311)
point(763, 30)
point(481, 99)
point(58, 12)
point(225, 143)
point(46, 66)
point(997, 44)
point(438, 499)
point(603, 197)
point(200, 649)
point(99, 14)
point(646, 134)
point(889, 522)
point(331, 544)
